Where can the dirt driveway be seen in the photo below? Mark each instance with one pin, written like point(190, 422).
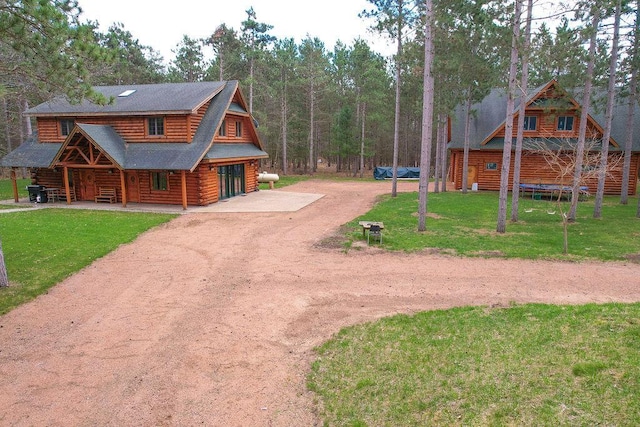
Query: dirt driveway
point(212, 318)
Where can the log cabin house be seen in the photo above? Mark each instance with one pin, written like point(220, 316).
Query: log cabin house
point(173, 143)
point(552, 117)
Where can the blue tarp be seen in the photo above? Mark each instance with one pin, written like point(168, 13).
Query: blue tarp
point(385, 172)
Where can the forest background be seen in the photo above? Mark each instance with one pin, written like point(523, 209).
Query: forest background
point(316, 104)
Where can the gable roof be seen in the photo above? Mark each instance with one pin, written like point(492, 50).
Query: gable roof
point(147, 155)
point(164, 98)
point(490, 117)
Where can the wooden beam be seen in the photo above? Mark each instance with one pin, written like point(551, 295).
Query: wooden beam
point(65, 178)
point(123, 186)
point(14, 184)
point(183, 178)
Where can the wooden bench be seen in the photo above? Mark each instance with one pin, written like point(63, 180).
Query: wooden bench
point(106, 195)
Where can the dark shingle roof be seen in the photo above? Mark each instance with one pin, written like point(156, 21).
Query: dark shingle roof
point(151, 98)
point(151, 155)
point(107, 139)
point(233, 151)
point(175, 155)
point(31, 154)
point(490, 114)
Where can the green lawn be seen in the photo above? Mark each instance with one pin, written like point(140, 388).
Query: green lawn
point(529, 365)
point(523, 365)
point(6, 190)
point(464, 224)
point(42, 247)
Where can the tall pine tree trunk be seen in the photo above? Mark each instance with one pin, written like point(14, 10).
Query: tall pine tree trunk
point(465, 155)
point(364, 111)
point(251, 67)
point(438, 165)
point(442, 135)
point(396, 120)
point(427, 118)
point(508, 130)
point(4, 279)
point(626, 171)
point(283, 114)
point(584, 116)
point(524, 84)
point(312, 92)
point(602, 173)
point(7, 123)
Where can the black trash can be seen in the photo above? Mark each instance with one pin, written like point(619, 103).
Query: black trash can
point(34, 192)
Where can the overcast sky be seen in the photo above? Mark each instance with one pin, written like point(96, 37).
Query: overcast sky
point(162, 24)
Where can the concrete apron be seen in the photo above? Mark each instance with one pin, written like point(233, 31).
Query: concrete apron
point(259, 201)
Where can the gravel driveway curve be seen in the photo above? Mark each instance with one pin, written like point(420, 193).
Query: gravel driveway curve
point(212, 318)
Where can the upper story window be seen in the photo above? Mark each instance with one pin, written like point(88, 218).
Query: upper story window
point(155, 126)
point(238, 129)
point(223, 128)
point(530, 122)
point(66, 126)
point(565, 123)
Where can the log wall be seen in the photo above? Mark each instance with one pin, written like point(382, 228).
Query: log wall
point(533, 170)
point(230, 137)
point(178, 128)
point(202, 184)
point(547, 127)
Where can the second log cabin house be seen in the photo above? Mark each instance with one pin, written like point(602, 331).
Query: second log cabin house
point(173, 143)
point(552, 117)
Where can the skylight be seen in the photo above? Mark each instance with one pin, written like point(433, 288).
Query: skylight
point(126, 93)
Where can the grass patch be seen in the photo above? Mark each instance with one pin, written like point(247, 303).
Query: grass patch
point(293, 179)
point(284, 181)
point(465, 224)
point(526, 365)
point(6, 188)
point(44, 246)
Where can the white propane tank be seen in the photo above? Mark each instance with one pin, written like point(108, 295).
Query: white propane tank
point(268, 177)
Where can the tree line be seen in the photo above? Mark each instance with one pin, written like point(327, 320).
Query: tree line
point(344, 106)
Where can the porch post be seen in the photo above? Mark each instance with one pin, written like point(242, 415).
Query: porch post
point(65, 178)
point(123, 186)
point(183, 177)
point(14, 184)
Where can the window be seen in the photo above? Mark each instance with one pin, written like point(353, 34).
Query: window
point(156, 126)
point(565, 123)
point(223, 129)
point(231, 181)
point(66, 126)
point(491, 166)
point(238, 129)
point(127, 93)
point(159, 181)
point(530, 122)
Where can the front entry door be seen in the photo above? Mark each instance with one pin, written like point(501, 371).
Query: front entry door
point(87, 185)
point(133, 187)
point(472, 176)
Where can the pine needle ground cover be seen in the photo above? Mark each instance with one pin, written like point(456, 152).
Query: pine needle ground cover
point(528, 365)
point(464, 224)
point(42, 247)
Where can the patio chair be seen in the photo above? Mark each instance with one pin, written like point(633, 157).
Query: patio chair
point(376, 232)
